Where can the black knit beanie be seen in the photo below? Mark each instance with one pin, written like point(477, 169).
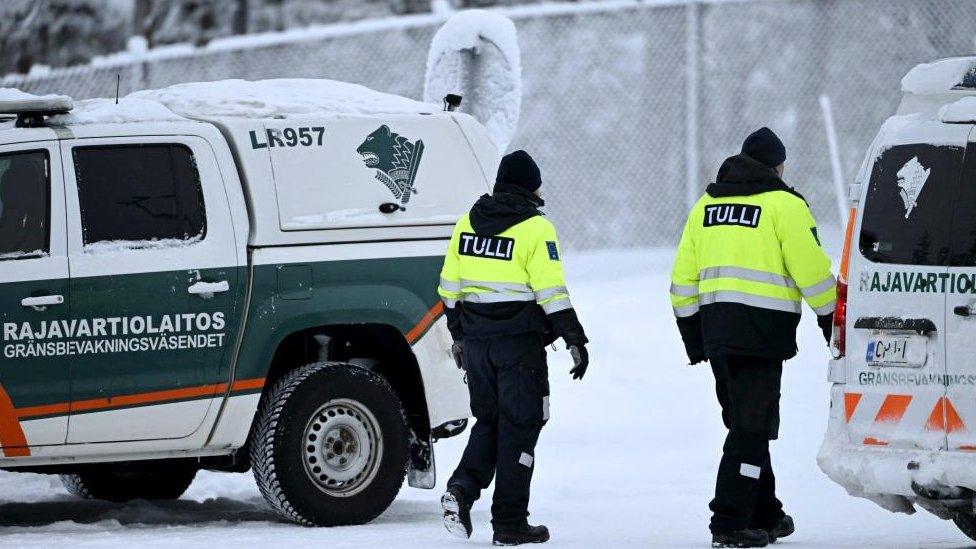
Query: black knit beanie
point(763, 145)
point(520, 170)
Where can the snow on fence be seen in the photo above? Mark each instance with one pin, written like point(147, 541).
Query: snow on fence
point(629, 106)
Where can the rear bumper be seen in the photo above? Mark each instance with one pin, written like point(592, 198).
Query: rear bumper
point(885, 475)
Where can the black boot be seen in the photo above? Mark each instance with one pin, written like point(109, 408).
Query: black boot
point(741, 538)
point(523, 533)
point(457, 513)
point(781, 529)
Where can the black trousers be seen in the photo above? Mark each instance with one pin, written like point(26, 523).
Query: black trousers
point(748, 389)
point(509, 385)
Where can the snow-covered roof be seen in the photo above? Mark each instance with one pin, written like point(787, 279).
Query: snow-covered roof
point(278, 98)
point(106, 111)
point(937, 77)
point(961, 111)
point(281, 98)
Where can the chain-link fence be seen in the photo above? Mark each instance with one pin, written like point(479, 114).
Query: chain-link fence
point(629, 107)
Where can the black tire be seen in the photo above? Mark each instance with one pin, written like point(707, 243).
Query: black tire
point(123, 485)
point(967, 523)
point(286, 448)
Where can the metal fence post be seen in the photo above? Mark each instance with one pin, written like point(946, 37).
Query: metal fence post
point(471, 73)
point(138, 49)
point(692, 77)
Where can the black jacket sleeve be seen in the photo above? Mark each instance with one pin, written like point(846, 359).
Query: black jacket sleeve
point(691, 335)
point(826, 323)
point(566, 324)
point(453, 315)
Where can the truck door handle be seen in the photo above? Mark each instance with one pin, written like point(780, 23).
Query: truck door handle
point(963, 310)
point(42, 302)
point(208, 289)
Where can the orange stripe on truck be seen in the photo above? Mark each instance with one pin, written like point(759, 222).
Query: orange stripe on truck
point(893, 408)
point(425, 322)
point(44, 410)
point(162, 397)
point(944, 417)
point(14, 442)
point(245, 384)
point(851, 400)
point(11, 435)
point(135, 399)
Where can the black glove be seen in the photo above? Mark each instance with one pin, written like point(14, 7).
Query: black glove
point(581, 360)
point(826, 323)
point(457, 350)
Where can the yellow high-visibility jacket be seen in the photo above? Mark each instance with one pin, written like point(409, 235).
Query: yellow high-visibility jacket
point(744, 265)
point(507, 283)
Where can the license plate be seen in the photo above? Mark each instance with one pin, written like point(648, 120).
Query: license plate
point(889, 350)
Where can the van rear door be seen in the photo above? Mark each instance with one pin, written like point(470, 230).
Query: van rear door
point(897, 296)
point(959, 407)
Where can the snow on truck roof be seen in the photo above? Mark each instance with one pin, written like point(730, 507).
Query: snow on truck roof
point(941, 76)
point(279, 98)
point(263, 99)
point(943, 90)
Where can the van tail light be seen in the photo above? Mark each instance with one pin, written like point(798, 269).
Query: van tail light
point(838, 344)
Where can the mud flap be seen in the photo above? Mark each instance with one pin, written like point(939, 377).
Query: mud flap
point(421, 471)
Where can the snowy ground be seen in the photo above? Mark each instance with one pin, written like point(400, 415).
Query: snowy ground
point(628, 459)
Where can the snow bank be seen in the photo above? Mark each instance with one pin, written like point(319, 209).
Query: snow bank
point(106, 111)
point(963, 110)
point(491, 83)
point(937, 77)
point(280, 98)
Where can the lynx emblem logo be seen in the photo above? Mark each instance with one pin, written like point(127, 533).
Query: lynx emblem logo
point(395, 159)
point(911, 178)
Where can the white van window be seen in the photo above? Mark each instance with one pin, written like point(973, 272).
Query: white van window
point(24, 205)
point(139, 193)
point(909, 203)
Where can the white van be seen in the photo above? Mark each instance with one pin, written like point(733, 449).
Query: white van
point(902, 427)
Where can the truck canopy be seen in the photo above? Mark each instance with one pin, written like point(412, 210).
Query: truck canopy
point(320, 161)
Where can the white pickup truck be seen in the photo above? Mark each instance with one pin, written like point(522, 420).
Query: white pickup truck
point(232, 275)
